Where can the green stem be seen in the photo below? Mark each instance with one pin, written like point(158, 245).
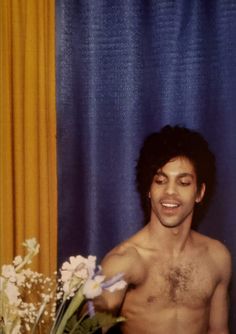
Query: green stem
point(73, 306)
point(40, 313)
point(59, 315)
point(25, 261)
point(78, 322)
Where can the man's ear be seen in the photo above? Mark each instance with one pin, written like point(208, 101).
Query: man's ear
point(201, 193)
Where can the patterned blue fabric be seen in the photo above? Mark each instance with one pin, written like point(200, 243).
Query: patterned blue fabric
point(125, 69)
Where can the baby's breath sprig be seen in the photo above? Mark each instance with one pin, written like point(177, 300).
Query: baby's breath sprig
point(31, 302)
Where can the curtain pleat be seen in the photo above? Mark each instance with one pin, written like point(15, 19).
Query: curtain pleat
point(28, 198)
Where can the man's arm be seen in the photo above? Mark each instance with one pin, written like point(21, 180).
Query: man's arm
point(121, 260)
point(218, 322)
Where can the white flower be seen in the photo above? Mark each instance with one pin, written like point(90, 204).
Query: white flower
point(17, 260)
point(78, 266)
point(28, 272)
point(91, 264)
point(2, 284)
point(8, 271)
point(12, 293)
point(31, 245)
point(20, 279)
point(67, 289)
point(92, 287)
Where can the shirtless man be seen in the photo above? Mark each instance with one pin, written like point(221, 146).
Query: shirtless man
point(177, 279)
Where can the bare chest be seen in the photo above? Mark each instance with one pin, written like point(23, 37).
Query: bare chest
point(188, 284)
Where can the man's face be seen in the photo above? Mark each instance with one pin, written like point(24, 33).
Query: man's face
point(173, 192)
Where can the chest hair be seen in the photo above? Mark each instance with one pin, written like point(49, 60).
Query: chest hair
point(178, 281)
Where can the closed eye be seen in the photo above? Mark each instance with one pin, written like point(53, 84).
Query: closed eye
point(160, 179)
point(185, 183)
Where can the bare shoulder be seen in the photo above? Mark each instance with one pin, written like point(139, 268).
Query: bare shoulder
point(218, 253)
point(126, 259)
point(222, 257)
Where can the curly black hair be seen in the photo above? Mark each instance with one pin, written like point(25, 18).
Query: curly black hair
point(171, 142)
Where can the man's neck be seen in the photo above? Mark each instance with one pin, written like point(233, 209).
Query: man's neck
point(173, 239)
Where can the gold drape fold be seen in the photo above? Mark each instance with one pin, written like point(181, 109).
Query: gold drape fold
point(28, 183)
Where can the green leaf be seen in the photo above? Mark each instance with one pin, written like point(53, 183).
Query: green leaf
point(90, 325)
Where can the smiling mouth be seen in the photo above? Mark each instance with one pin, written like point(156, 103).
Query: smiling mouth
point(170, 205)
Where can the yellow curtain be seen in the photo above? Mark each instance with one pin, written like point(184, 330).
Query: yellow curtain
point(28, 183)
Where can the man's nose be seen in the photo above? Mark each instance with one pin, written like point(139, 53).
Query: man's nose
point(171, 188)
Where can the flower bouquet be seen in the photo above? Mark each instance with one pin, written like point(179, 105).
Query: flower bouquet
point(31, 302)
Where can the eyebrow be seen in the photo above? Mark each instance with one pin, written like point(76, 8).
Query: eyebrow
point(160, 173)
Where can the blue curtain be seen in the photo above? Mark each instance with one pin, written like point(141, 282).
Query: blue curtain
point(125, 69)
